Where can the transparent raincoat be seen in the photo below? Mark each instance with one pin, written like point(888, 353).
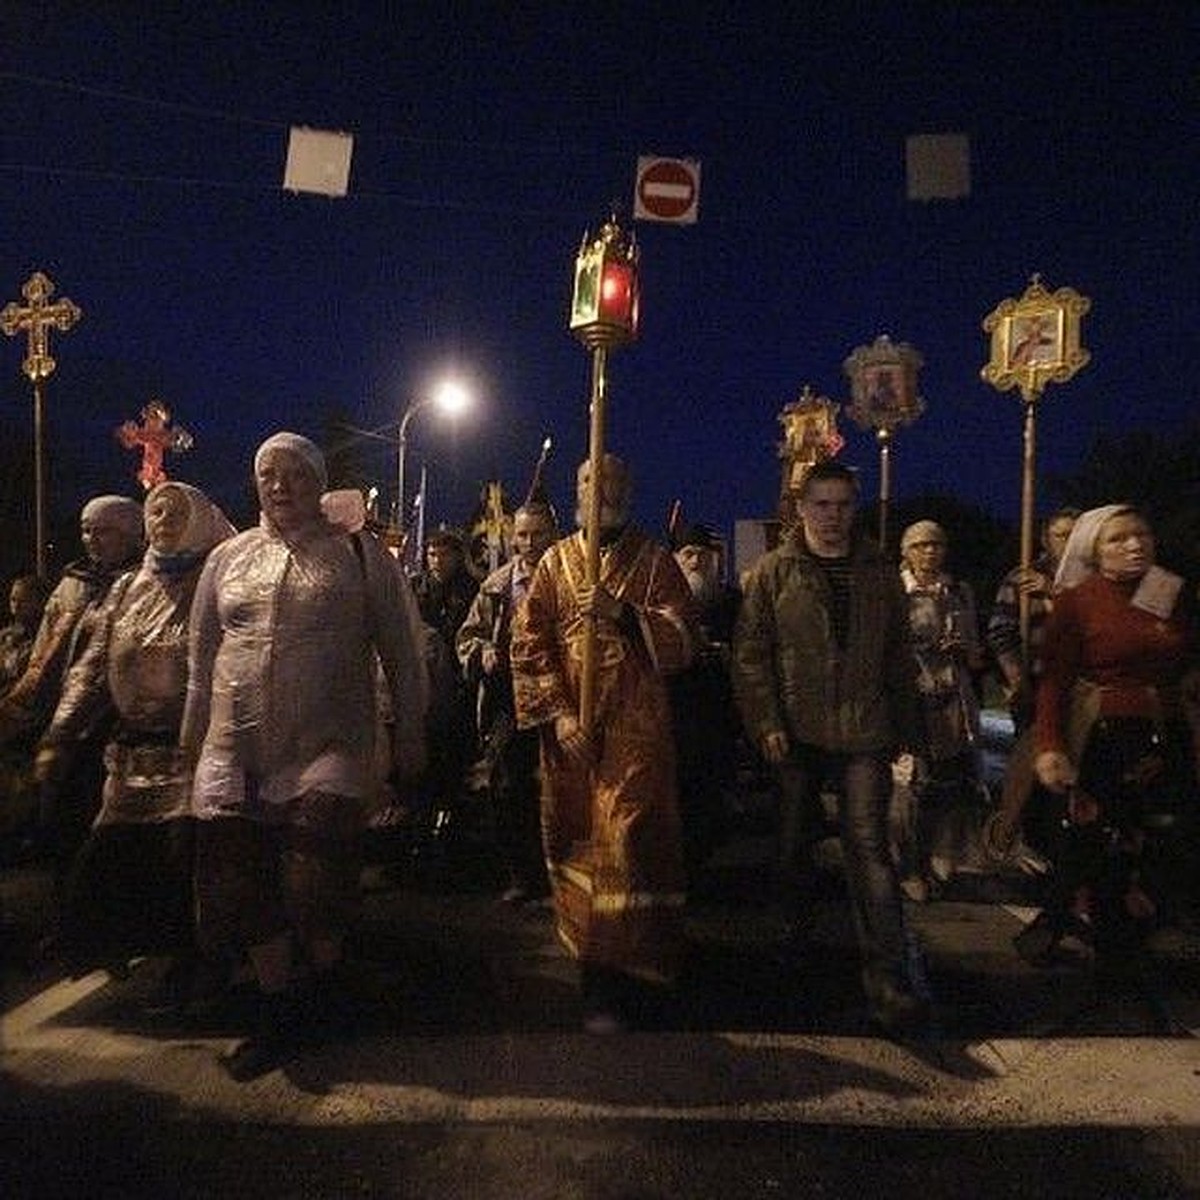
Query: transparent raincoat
point(132, 677)
point(286, 640)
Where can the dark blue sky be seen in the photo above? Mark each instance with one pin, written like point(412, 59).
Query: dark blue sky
point(142, 156)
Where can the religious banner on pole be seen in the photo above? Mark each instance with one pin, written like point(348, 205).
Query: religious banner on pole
point(1035, 340)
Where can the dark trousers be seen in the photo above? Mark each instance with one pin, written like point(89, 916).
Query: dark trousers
point(863, 785)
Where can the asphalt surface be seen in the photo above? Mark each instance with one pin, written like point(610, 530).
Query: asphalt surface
point(464, 1074)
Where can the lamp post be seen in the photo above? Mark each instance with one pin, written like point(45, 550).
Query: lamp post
point(450, 398)
point(604, 316)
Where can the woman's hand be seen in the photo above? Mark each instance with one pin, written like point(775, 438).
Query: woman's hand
point(1055, 771)
point(774, 747)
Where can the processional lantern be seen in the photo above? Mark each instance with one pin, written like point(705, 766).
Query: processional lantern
point(37, 317)
point(884, 398)
point(604, 306)
point(604, 316)
point(1035, 340)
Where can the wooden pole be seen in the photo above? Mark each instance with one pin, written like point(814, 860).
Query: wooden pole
point(39, 477)
point(1028, 476)
point(885, 484)
point(591, 534)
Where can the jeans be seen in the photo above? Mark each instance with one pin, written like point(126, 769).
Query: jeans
point(863, 784)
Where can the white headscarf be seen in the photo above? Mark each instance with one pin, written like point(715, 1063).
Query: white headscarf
point(206, 524)
point(295, 444)
point(1079, 555)
point(121, 511)
point(1157, 590)
point(922, 531)
point(124, 515)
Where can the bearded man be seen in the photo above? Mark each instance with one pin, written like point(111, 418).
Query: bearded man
point(705, 717)
point(610, 813)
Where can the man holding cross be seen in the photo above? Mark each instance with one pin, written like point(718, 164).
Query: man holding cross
point(610, 813)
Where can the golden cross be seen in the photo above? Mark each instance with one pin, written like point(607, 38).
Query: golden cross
point(38, 316)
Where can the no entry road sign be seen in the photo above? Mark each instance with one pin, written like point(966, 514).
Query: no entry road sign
point(668, 189)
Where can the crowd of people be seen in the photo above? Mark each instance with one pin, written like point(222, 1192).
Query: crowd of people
point(199, 727)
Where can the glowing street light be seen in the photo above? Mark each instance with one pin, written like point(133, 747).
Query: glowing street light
point(451, 398)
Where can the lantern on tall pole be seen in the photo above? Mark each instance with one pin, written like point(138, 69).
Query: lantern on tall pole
point(1034, 341)
point(883, 390)
point(37, 317)
point(604, 317)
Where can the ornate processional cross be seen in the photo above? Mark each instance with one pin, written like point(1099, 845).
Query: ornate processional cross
point(154, 437)
point(38, 317)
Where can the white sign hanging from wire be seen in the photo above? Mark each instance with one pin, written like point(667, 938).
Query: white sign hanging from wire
point(318, 161)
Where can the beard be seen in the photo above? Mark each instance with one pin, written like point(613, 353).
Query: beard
point(704, 588)
point(612, 518)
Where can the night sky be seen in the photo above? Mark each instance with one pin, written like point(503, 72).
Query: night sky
point(141, 164)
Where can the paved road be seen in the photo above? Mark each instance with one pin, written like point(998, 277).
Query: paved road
point(466, 1076)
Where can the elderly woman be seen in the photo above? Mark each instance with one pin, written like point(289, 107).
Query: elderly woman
point(130, 888)
point(946, 644)
point(110, 528)
point(289, 623)
point(1111, 739)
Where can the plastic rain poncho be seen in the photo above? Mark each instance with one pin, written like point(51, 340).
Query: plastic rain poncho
point(134, 670)
point(281, 691)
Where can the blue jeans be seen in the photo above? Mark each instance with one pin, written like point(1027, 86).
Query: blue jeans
point(863, 785)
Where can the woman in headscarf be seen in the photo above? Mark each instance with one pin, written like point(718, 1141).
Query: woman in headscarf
point(290, 621)
point(110, 528)
point(946, 644)
point(129, 891)
point(1112, 741)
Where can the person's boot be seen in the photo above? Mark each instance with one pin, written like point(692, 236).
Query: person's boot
point(603, 1001)
point(1038, 942)
point(276, 1037)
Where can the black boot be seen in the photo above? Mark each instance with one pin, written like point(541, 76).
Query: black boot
point(1038, 942)
point(276, 1038)
point(604, 1009)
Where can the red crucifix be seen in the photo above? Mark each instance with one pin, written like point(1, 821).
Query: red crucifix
point(154, 436)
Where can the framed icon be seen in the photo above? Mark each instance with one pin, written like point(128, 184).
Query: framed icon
point(1035, 339)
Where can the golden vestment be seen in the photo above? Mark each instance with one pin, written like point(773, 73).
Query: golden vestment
point(611, 831)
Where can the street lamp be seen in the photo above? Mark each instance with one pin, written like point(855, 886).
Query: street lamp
point(450, 398)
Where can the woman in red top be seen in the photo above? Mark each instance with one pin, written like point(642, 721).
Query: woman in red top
point(1111, 740)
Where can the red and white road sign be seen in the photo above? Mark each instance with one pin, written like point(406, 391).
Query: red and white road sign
point(668, 189)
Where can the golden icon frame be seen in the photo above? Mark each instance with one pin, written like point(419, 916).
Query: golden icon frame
point(1035, 339)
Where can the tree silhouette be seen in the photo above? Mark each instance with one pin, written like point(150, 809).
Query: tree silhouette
point(1157, 473)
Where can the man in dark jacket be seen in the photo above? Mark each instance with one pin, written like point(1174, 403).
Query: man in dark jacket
point(826, 684)
point(510, 754)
